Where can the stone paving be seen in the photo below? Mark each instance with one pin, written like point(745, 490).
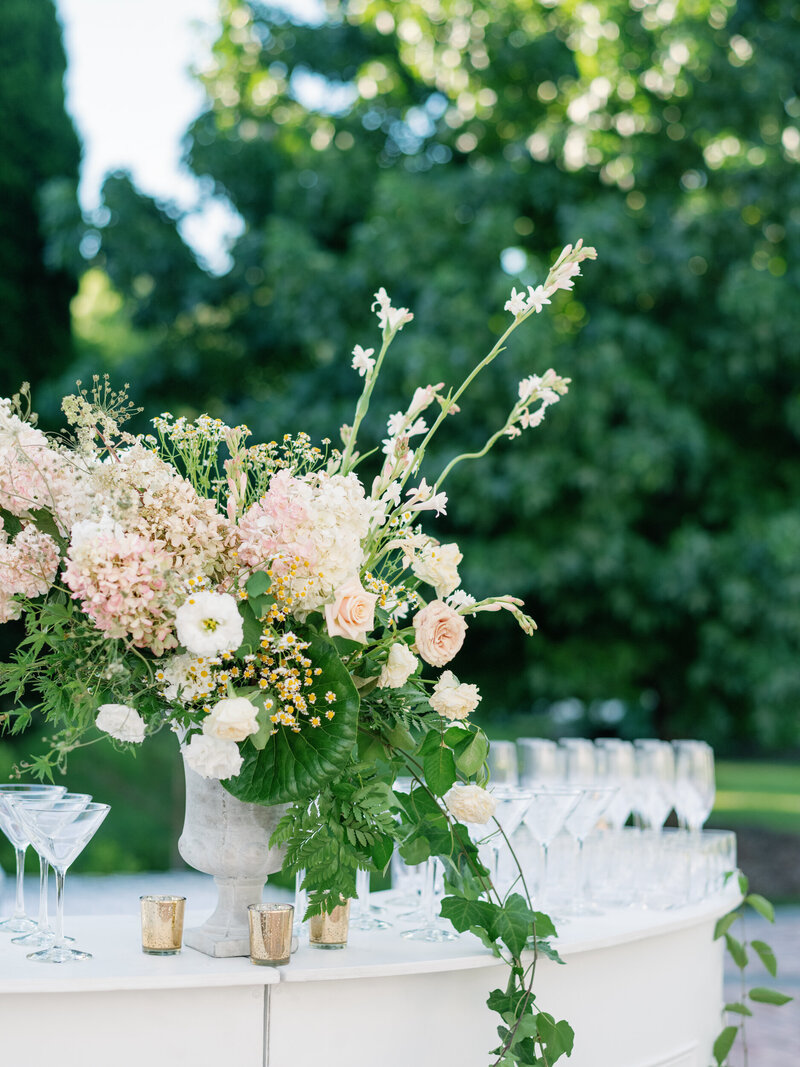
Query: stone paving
point(773, 1034)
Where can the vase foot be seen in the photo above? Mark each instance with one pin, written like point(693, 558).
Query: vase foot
point(216, 945)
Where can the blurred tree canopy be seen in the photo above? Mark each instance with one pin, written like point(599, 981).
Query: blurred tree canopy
point(39, 158)
point(445, 149)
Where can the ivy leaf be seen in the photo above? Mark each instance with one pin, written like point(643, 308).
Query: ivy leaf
point(415, 851)
point(744, 884)
point(440, 769)
point(724, 1044)
point(544, 925)
point(472, 756)
point(293, 766)
point(766, 955)
point(558, 1037)
point(738, 1009)
point(737, 951)
point(514, 923)
point(465, 914)
point(768, 996)
point(725, 923)
point(544, 948)
point(761, 905)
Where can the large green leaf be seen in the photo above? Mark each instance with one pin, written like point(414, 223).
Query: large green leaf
point(292, 766)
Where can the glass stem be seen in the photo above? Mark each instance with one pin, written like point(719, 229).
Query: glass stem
point(582, 893)
point(42, 893)
point(428, 882)
point(543, 887)
point(60, 874)
point(19, 904)
point(362, 893)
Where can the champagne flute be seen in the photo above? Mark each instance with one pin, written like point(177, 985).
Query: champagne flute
point(10, 824)
point(541, 762)
point(502, 761)
point(62, 835)
point(694, 783)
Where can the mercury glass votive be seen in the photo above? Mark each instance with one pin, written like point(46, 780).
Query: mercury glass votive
point(330, 930)
point(270, 934)
point(162, 924)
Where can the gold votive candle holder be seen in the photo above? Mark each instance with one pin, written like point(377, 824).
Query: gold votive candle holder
point(270, 934)
point(162, 924)
point(330, 930)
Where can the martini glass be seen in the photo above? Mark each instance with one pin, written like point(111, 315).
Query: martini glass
point(43, 934)
point(511, 804)
point(61, 836)
point(433, 927)
point(545, 818)
point(16, 833)
point(580, 822)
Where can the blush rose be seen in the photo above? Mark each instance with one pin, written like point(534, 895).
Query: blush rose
point(439, 633)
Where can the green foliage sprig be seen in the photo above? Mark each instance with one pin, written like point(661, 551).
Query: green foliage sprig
point(737, 949)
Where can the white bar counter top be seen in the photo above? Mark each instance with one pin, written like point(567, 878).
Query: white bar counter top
point(641, 989)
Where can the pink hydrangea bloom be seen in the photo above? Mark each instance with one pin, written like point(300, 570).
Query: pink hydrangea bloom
point(126, 584)
point(28, 565)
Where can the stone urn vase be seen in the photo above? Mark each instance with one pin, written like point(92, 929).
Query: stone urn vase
point(230, 840)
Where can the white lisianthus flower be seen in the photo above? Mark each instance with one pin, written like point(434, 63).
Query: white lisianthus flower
point(398, 668)
point(453, 699)
point(120, 721)
point(232, 719)
point(469, 803)
point(212, 757)
point(208, 623)
point(438, 566)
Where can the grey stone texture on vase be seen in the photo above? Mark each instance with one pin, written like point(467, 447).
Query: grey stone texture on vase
point(230, 840)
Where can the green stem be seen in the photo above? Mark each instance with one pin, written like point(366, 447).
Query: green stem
point(363, 403)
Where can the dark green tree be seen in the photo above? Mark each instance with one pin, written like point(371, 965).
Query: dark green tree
point(39, 158)
point(445, 150)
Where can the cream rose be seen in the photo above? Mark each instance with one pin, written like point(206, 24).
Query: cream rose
point(453, 699)
point(438, 566)
point(232, 719)
point(120, 721)
point(398, 668)
point(469, 803)
point(352, 613)
point(439, 633)
point(211, 757)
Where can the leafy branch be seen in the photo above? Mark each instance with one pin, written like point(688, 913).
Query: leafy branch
point(737, 949)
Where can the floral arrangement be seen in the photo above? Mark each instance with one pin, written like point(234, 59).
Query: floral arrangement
point(259, 600)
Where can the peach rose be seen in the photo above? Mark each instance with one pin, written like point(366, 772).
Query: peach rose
point(440, 633)
point(352, 613)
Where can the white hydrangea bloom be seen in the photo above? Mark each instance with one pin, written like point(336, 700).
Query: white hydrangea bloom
point(121, 721)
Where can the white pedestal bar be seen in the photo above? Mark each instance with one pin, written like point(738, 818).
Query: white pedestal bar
point(641, 989)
